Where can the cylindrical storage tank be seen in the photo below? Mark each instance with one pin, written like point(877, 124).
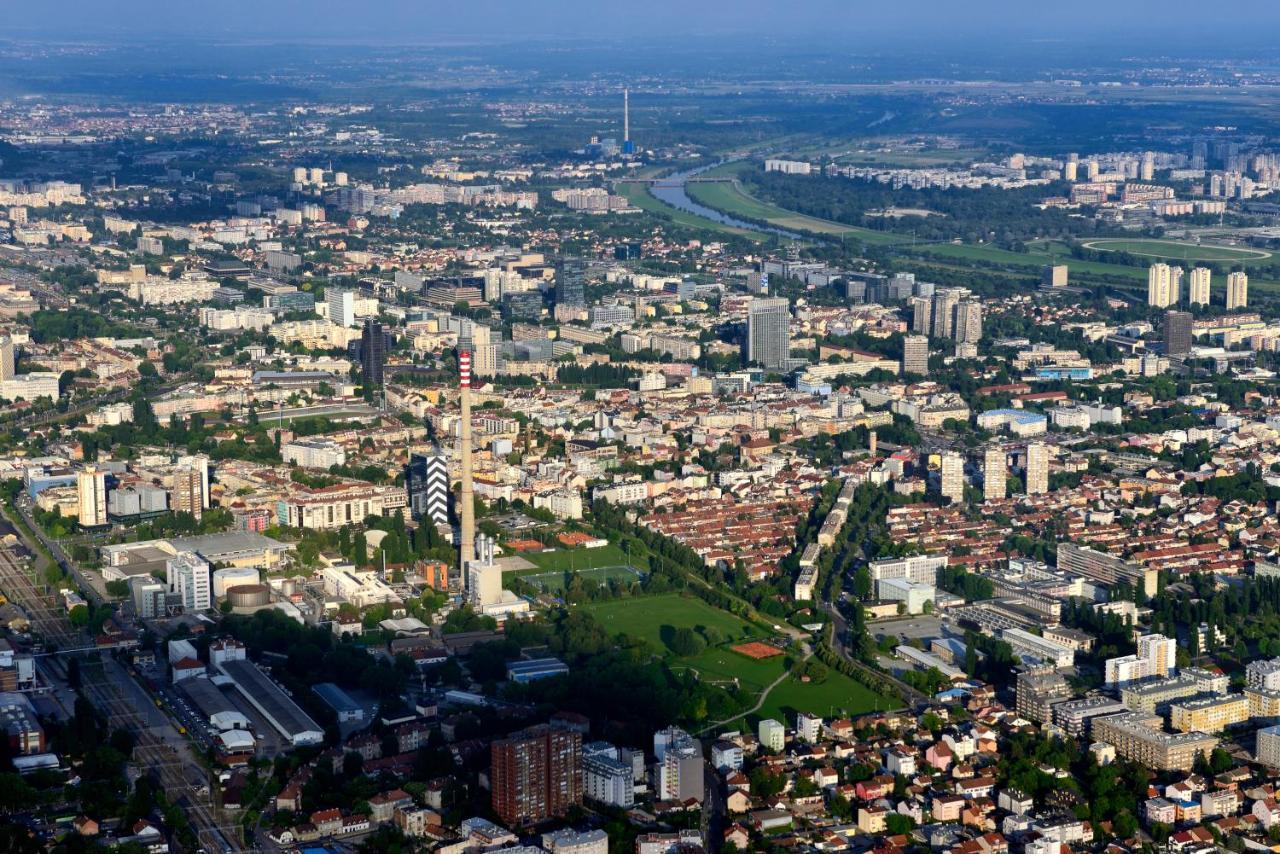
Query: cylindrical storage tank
point(232, 576)
point(289, 586)
point(249, 596)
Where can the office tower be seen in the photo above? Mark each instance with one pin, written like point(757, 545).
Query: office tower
point(679, 766)
point(969, 321)
point(1148, 168)
point(994, 474)
point(571, 282)
point(1160, 287)
point(945, 301)
point(1198, 290)
point(952, 477)
point(768, 332)
point(373, 353)
point(1054, 276)
point(536, 774)
point(1177, 333)
point(921, 314)
point(148, 597)
point(91, 492)
point(1069, 170)
point(915, 355)
point(1091, 169)
point(901, 286)
point(1037, 468)
point(188, 577)
point(426, 480)
point(188, 492)
point(467, 534)
point(1237, 290)
point(8, 358)
point(341, 306)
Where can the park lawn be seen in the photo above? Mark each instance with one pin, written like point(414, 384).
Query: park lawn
point(574, 559)
point(720, 664)
point(836, 694)
point(639, 196)
point(653, 617)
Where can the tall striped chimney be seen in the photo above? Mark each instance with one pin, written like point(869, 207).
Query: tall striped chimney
point(467, 544)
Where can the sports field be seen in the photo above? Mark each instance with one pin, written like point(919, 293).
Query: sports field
point(554, 581)
point(574, 559)
point(656, 618)
point(1175, 250)
point(593, 565)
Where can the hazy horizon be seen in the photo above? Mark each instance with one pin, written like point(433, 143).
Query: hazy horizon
point(409, 22)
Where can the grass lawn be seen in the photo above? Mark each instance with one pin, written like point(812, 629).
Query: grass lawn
point(655, 618)
point(837, 693)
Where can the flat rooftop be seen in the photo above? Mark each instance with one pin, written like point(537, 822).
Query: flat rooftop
point(266, 696)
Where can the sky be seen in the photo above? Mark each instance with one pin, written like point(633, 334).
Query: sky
point(426, 21)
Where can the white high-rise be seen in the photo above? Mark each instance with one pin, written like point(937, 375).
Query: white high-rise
point(1037, 468)
point(1161, 291)
point(341, 306)
point(91, 492)
point(952, 477)
point(1198, 293)
point(1237, 291)
point(769, 332)
point(188, 577)
point(994, 474)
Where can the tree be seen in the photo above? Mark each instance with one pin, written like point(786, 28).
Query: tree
point(686, 642)
point(896, 823)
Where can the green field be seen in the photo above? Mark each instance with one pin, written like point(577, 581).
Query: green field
point(599, 565)
point(1175, 250)
point(656, 618)
point(574, 559)
point(730, 198)
point(554, 581)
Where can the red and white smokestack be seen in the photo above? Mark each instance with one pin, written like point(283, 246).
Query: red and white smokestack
point(464, 369)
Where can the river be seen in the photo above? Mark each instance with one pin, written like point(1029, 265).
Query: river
point(671, 190)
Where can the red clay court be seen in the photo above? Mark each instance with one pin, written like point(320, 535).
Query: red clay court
point(757, 650)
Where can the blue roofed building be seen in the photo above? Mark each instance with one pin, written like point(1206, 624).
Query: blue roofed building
point(536, 668)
